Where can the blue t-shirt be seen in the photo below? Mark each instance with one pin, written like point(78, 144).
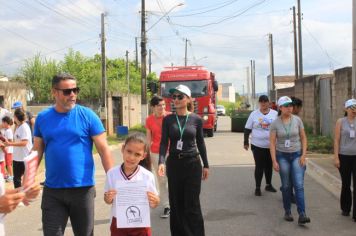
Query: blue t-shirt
point(68, 145)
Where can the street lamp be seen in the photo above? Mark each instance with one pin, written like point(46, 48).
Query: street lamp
point(144, 109)
point(165, 14)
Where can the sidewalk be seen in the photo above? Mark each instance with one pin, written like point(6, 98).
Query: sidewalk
point(321, 168)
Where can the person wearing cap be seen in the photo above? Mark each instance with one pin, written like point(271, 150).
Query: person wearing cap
point(288, 146)
point(182, 132)
point(345, 157)
point(258, 125)
point(30, 118)
point(153, 132)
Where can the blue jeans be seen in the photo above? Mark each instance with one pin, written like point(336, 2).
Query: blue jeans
point(289, 167)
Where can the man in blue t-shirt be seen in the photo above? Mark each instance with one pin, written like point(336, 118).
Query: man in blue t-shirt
point(65, 133)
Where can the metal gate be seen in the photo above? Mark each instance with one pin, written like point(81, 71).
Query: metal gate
point(117, 112)
point(325, 107)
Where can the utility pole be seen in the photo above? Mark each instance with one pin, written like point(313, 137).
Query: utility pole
point(143, 64)
point(271, 67)
point(103, 71)
point(300, 41)
point(295, 44)
point(248, 84)
point(186, 52)
point(136, 61)
point(353, 81)
point(128, 88)
point(149, 61)
point(243, 92)
point(253, 79)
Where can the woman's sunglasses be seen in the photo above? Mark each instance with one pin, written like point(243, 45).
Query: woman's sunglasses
point(67, 92)
point(179, 96)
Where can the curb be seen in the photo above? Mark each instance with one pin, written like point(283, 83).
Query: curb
point(327, 180)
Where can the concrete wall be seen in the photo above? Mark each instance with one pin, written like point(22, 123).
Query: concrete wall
point(308, 89)
point(135, 111)
point(341, 91)
point(12, 92)
point(285, 92)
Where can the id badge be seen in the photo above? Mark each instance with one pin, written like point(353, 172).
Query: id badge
point(179, 145)
point(352, 133)
point(287, 143)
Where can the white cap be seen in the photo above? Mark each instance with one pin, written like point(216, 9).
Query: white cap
point(285, 100)
point(350, 103)
point(181, 89)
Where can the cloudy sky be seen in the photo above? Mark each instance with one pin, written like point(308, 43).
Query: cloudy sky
point(223, 35)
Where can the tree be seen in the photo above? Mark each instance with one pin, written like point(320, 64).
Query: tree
point(38, 72)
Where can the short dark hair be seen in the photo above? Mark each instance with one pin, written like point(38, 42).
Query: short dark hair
point(296, 102)
point(263, 98)
point(60, 77)
point(156, 100)
point(20, 114)
point(7, 119)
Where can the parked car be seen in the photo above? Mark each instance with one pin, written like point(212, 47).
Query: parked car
point(220, 109)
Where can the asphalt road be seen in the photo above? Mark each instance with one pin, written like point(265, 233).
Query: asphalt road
point(228, 202)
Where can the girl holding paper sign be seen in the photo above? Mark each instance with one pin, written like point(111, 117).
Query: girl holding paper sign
point(288, 147)
point(135, 155)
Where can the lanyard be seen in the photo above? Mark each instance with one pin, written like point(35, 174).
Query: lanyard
point(289, 128)
point(181, 130)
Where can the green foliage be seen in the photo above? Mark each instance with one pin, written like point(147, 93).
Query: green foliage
point(37, 73)
point(230, 107)
point(138, 128)
point(320, 144)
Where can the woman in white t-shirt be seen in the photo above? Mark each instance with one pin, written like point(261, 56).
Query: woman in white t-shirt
point(257, 125)
point(22, 145)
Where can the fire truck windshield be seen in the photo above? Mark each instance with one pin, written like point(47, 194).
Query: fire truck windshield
point(199, 88)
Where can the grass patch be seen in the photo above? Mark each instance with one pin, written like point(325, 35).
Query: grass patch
point(320, 144)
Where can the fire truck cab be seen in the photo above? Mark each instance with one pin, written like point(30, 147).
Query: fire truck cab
point(203, 86)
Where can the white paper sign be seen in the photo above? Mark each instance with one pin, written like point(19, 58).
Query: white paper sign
point(132, 206)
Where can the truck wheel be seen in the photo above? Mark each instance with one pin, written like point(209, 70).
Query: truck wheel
point(210, 132)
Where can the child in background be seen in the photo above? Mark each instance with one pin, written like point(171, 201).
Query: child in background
point(136, 159)
point(7, 122)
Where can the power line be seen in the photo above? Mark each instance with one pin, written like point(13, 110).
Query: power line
point(48, 53)
point(210, 10)
point(75, 19)
point(330, 59)
point(23, 38)
point(224, 19)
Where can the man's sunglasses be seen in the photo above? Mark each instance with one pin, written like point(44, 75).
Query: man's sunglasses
point(179, 96)
point(67, 92)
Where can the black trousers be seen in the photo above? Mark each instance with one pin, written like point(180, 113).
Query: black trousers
point(263, 164)
point(19, 170)
point(348, 169)
point(60, 204)
point(184, 185)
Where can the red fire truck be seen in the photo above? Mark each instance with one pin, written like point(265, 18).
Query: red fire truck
point(203, 86)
